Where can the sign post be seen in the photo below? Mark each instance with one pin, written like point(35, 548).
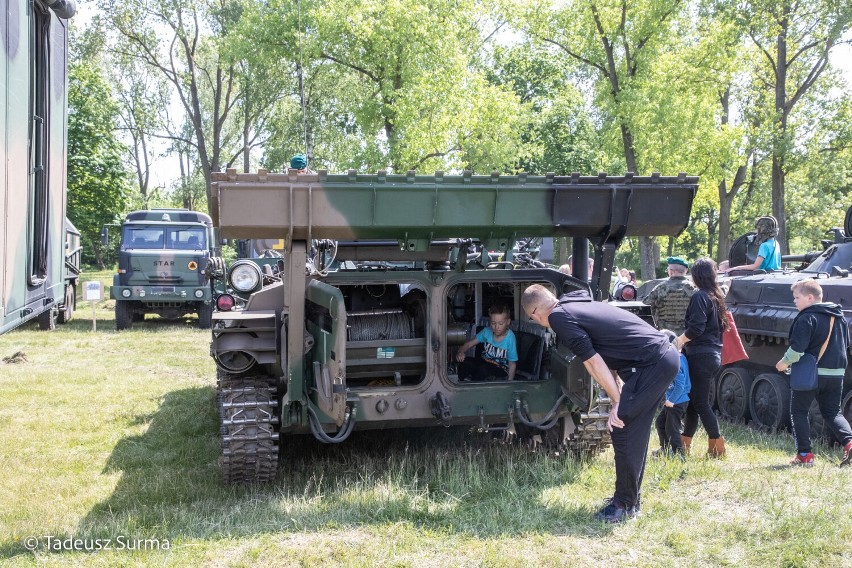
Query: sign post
point(93, 294)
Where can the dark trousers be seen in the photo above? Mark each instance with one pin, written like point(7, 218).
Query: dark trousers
point(477, 369)
point(827, 394)
point(668, 427)
point(702, 367)
point(641, 395)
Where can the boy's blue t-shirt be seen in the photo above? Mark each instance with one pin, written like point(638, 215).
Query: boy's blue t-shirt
point(771, 253)
point(499, 353)
point(678, 391)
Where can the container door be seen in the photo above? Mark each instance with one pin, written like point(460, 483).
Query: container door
point(325, 315)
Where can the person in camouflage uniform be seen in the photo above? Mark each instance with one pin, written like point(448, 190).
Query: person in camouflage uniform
point(670, 298)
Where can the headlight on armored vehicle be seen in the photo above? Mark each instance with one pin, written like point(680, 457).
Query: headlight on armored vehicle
point(225, 302)
point(628, 292)
point(245, 276)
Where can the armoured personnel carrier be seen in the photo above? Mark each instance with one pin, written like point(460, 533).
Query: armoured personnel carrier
point(161, 261)
point(762, 305)
point(382, 277)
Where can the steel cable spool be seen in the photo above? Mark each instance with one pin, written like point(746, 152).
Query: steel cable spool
point(380, 326)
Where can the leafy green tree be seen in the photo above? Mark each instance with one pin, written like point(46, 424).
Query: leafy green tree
point(561, 136)
point(796, 39)
point(615, 44)
point(182, 41)
point(97, 179)
point(426, 105)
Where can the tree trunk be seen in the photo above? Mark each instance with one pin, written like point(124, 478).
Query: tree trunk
point(648, 261)
point(779, 146)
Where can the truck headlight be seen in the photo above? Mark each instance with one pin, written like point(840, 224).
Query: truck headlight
point(199, 293)
point(126, 292)
point(244, 276)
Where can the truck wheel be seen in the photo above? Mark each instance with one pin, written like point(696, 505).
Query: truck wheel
point(67, 311)
point(770, 402)
point(205, 316)
point(123, 316)
point(733, 394)
point(47, 320)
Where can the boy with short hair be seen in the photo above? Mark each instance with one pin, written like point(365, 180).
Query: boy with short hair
point(499, 352)
point(670, 419)
point(820, 330)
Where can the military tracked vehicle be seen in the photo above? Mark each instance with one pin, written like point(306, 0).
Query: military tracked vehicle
point(382, 277)
point(762, 305)
point(161, 261)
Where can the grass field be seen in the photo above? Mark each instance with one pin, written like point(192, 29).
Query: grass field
point(112, 439)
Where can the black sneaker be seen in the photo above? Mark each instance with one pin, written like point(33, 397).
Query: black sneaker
point(615, 512)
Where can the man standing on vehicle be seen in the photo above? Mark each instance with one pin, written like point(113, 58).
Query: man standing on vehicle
point(670, 298)
point(610, 340)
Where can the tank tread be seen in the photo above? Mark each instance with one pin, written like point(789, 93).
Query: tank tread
point(592, 436)
point(247, 423)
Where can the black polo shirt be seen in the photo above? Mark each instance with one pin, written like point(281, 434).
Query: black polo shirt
point(621, 338)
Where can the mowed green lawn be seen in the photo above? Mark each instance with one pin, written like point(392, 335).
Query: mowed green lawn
point(112, 439)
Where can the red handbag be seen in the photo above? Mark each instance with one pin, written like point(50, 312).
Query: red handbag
point(732, 345)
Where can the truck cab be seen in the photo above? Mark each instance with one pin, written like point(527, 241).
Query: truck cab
point(161, 261)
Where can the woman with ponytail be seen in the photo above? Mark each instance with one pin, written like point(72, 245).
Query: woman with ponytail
point(706, 319)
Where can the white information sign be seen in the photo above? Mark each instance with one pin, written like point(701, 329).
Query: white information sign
point(92, 291)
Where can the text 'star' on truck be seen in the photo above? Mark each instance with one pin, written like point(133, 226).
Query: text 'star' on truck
point(380, 280)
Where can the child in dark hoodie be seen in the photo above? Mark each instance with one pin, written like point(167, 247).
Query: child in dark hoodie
point(820, 329)
point(670, 419)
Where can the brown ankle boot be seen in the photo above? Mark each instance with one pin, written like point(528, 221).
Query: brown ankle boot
point(716, 447)
point(687, 443)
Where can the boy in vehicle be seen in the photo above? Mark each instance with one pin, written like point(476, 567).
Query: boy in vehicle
point(499, 356)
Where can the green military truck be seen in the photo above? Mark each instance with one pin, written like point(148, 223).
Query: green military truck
point(161, 262)
point(73, 268)
point(381, 278)
point(33, 144)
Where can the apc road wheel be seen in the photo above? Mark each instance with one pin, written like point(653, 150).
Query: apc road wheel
point(733, 394)
point(846, 407)
point(714, 382)
point(770, 402)
point(205, 316)
point(67, 311)
point(47, 320)
point(123, 316)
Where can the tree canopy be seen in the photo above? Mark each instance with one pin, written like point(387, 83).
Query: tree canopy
point(743, 94)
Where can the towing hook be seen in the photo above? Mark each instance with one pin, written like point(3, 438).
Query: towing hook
point(441, 408)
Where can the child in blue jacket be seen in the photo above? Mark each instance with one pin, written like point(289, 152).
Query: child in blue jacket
point(669, 421)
